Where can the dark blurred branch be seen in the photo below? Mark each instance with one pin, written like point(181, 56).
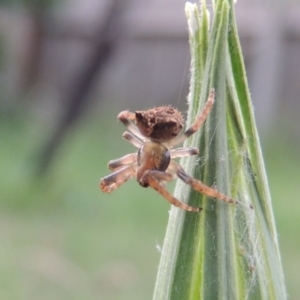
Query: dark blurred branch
point(107, 34)
point(32, 47)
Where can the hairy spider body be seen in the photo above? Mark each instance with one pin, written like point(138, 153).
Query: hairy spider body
point(155, 132)
point(151, 156)
point(159, 123)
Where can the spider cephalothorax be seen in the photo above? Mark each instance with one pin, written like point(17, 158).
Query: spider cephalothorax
point(155, 132)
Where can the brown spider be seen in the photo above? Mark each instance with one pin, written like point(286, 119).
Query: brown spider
point(155, 132)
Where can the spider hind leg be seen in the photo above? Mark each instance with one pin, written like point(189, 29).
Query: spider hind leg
point(198, 121)
point(152, 178)
point(198, 186)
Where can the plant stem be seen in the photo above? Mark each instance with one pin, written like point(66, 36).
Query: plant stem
point(226, 251)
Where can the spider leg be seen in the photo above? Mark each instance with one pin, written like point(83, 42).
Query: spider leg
point(152, 178)
point(131, 138)
point(116, 164)
point(197, 123)
point(113, 181)
point(181, 152)
point(198, 186)
point(162, 176)
point(127, 118)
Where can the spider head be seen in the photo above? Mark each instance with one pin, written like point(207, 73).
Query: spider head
point(159, 123)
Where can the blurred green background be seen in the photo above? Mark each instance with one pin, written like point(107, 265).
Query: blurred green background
point(60, 237)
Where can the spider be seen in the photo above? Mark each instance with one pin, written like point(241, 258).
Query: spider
point(155, 132)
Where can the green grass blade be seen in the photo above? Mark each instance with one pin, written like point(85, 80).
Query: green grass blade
point(226, 251)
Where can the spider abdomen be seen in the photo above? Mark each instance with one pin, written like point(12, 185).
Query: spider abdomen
point(159, 123)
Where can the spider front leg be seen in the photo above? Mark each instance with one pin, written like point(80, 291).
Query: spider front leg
point(131, 138)
point(152, 178)
point(113, 181)
point(127, 118)
point(198, 186)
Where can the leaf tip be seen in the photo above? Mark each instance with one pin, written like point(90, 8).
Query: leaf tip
point(191, 11)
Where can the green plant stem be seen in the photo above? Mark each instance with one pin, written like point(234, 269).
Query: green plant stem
point(226, 251)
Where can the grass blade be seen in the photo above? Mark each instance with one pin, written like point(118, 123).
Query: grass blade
point(226, 251)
